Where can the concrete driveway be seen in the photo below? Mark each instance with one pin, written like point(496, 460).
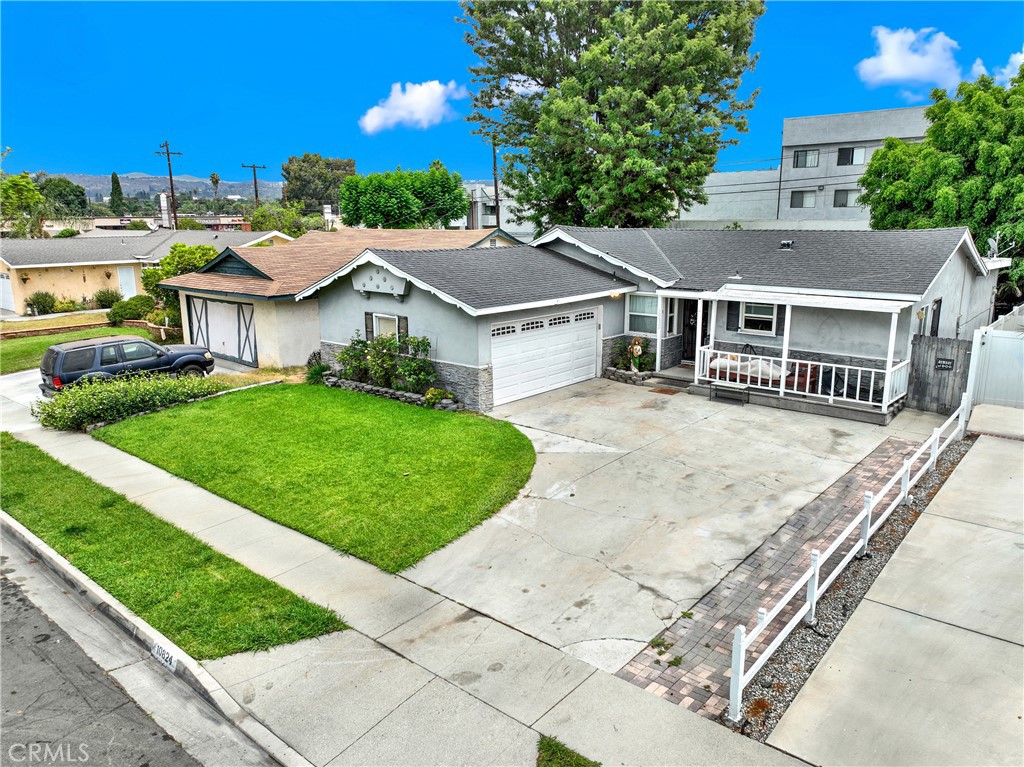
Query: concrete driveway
point(17, 393)
point(639, 504)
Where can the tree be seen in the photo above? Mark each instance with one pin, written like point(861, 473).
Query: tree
point(22, 206)
point(403, 199)
point(64, 198)
point(116, 195)
point(215, 183)
point(182, 259)
point(610, 114)
point(968, 171)
point(189, 225)
point(313, 181)
point(286, 218)
point(136, 226)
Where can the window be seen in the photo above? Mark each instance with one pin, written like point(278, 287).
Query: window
point(845, 198)
point(385, 324)
point(671, 325)
point(757, 318)
point(108, 355)
point(851, 155)
point(643, 314)
point(502, 330)
point(526, 327)
point(490, 210)
point(802, 199)
point(936, 311)
point(565, 319)
point(805, 158)
point(584, 316)
point(138, 350)
point(78, 360)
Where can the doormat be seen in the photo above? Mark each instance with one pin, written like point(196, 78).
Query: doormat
point(669, 392)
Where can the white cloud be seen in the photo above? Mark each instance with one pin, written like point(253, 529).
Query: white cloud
point(978, 69)
point(418, 105)
point(909, 56)
point(1002, 75)
point(912, 97)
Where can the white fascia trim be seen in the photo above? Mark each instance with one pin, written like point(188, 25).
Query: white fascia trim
point(724, 291)
point(68, 265)
point(555, 301)
point(558, 234)
point(267, 236)
point(369, 257)
point(674, 293)
point(972, 250)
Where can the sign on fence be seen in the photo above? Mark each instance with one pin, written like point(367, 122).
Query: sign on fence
point(944, 363)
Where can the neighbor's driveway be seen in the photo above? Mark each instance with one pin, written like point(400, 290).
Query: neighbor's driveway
point(640, 503)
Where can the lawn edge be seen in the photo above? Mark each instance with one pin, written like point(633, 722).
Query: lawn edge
point(186, 668)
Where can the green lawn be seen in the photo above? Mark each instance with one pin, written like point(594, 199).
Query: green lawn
point(386, 482)
point(25, 353)
point(553, 753)
point(207, 604)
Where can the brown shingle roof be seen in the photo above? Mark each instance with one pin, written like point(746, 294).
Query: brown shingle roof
point(294, 266)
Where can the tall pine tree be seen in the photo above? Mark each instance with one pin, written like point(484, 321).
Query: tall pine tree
point(116, 195)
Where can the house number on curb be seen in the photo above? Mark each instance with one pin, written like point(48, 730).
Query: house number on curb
point(165, 658)
point(942, 363)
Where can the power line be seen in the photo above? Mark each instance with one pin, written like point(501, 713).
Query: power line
point(166, 150)
point(255, 184)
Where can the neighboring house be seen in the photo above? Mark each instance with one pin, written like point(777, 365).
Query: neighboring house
point(807, 313)
point(816, 183)
point(485, 212)
point(243, 307)
point(76, 267)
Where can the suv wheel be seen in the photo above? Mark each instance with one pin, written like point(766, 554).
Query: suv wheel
point(192, 371)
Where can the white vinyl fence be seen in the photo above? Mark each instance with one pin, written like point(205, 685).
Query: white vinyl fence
point(996, 375)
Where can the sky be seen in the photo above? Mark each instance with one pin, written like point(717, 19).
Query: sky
point(97, 87)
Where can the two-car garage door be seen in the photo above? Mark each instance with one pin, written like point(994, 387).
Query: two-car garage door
point(538, 354)
point(226, 329)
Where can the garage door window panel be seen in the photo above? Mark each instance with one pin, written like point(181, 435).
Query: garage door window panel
point(643, 314)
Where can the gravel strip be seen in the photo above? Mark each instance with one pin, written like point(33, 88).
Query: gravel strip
point(776, 685)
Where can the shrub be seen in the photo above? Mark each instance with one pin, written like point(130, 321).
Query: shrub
point(68, 232)
point(111, 399)
point(352, 360)
point(136, 226)
point(315, 372)
point(41, 302)
point(135, 308)
point(167, 316)
point(67, 305)
point(382, 360)
point(434, 396)
point(105, 298)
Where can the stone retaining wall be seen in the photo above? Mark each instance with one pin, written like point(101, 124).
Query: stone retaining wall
point(628, 376)
point(381, 391)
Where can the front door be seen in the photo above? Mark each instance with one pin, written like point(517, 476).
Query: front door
point(126, 281)
point(689, 319)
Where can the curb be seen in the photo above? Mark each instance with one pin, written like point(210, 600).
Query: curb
point(160, 648)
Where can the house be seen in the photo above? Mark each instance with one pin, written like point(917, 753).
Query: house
point(243, 307)
point(76, 267)
point(803, 317)
point(485, 211)
point(815, 183)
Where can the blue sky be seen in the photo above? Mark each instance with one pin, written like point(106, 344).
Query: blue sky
point(96, 87)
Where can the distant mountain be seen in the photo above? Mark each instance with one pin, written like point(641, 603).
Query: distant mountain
point(133, 183)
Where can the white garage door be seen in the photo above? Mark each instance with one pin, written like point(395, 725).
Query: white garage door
point(6, 292)
point(226, 329)
point(542, 353)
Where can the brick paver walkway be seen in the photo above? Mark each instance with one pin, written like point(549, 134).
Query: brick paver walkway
point(704, 642)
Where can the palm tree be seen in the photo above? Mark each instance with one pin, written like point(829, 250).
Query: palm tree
point(215, 181)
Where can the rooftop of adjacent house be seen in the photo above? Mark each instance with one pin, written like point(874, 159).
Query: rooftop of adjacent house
point(70, 251)
point(902, 262)
point(487, 278)
point(282, 271)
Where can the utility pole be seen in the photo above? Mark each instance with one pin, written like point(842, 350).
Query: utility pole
point(255, 185)
point(166, 150)
point(497, 198)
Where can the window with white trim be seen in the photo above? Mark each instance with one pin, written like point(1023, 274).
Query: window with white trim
point(642, 314)
point(805, 158)
point(802, 199)
point(671, 319)
point(384, 324)
point(757, 318)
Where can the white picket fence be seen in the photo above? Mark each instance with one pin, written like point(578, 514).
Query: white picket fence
point(863, 526)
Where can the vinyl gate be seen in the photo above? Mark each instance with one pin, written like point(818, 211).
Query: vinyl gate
point(997, 365)
point(938, 373)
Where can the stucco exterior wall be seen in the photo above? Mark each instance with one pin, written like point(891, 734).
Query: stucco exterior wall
point(287, 332)
point(966, 299)
point(66, 281)
point(737, 196)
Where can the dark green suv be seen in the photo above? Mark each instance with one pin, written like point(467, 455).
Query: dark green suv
point(64, 364)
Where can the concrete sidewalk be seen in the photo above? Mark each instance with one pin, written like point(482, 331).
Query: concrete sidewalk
point(929, 669)
point(421, 679)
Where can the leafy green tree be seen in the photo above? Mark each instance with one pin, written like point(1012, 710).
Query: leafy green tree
point(116, 195)
point(182, 259)
point(190, 225)
point(64, 197)
point(22, 206)
point(313, 181)
point(285, 218)
point(610, 114)
point(403, 199)
point(968, 171)
point(136, 226)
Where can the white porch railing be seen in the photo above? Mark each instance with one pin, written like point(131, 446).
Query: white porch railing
point(859, 530)
point(832, 382)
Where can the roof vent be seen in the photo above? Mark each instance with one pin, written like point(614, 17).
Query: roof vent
point(736, 276)
point(786, 245)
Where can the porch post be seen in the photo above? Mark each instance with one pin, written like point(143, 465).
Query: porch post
point(700, 325)
point(785, 351)
point(887, 386)
point(714, 323)
point(659, 329)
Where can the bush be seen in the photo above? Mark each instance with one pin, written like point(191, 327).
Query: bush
point(136, 226)
point(135, 308)
point(167, 316)
point(105, 298)
point(434, 396)
point(315, 372)
point(68, 232)
point(111, 399)
point(67, 305)
point(382, 360)
point(352, 360)
point(41, 302)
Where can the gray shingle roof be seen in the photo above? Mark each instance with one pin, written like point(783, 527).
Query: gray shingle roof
point(871, 261)
point(112, 250)
point(485, 278)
